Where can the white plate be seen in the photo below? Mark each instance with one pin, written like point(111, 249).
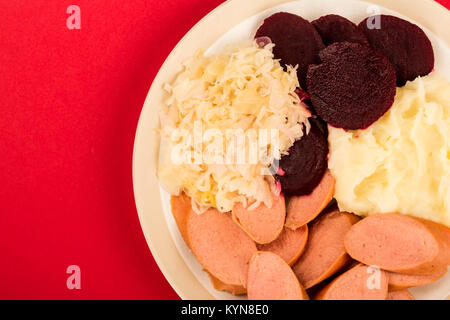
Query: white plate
point(181, 268)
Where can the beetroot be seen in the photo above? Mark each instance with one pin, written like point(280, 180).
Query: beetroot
point(306, 163)
point(334, 28)
point(353, 86)
point(405, 44)
point(296, 41)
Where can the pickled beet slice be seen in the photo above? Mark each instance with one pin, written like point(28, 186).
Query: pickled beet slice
point(403, 43)
point(334, 28)
point(296, 41)
point(306, 163)
point(353, 86)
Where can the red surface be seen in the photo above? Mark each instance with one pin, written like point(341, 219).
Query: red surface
point(70, 102)
point(445, 3)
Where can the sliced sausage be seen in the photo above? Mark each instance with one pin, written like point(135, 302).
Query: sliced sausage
point(220, 286)
point(223, 249)
point(399, 243)
point(181, 208)
point(289, 245)
point(359, 283)
point(325, 253)
point(400, 295)
point(262, 224)
point(401, 281)
point(303, 209)
point(271, 278)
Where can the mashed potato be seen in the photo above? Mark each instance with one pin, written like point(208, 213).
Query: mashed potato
point(402, 162)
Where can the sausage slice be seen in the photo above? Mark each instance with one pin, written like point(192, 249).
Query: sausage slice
point(221, 247)
point(303, 209)
point(181, 209)
point(399, 243)
point(220, 286)
point(400, 295)
point(325, 252)
point(271, 278)
point(359, 283)
point(401, 281)
point(289, 245)
point(262, 224)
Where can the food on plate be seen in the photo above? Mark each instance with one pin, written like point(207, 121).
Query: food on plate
point(181, 207)
point(289, 245)
point(401, 163)
point(359, 283)
point(352, 87)
point(297, 42)
point(244, 90)
point(271, 278)
point(334, 28)
point(325, 253)
point(351, 200)
point(221, 247)
point(220, 286)
point(401, 281)
point(400, 295)
point(403, 43)
point(303, 209)
point(262, 224)
point(305, 164)
point(400, 243)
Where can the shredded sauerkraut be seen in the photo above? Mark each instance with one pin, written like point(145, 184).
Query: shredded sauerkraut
point(246, 90)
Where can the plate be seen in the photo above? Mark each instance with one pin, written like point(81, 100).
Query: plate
point(234, 22)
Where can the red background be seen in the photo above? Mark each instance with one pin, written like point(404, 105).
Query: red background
point(70, 103)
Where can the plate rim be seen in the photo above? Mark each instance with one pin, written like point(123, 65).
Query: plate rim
point(158, 237)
